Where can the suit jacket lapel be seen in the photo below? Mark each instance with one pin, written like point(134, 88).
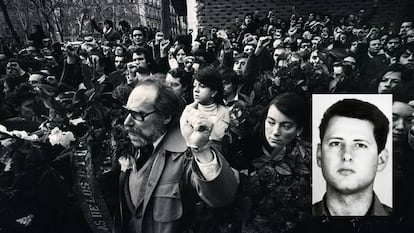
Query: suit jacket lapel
point(156, 171)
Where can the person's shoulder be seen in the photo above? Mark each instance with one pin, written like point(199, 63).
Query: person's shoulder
point(318, 209)
point(387, 209)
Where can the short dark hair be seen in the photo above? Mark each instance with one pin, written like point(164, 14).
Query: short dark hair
point(393, 36)
point(181, 75)
point(211, 78)
point(109, 23)
point(293, 106)
point(166, 102)
point(403, 48)
point(139, 28)
point(146, 52)
point(230, 75)
point(355, 108)
point(240, 56)
point(405, 75)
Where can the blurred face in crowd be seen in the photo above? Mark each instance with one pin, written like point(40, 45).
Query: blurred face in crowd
point(228, 87)
point(35, 79)
point(277, 53)
point(307, 35)
point(392, 45)
point(405, 26)
point(159, 36)
point(407, 59)
point(13, 69)
point(180, 56)
point(249, 49)
point(374, 47)
point(247, 19)
point(342, 38)
point(338, 72)
point(383, 39)
point(316, 42)
point(138, 37)
point(240, 66)
point(144, 131)
point(202, 94)
point(119, 62)
point(175, 84)
point(305, 47)
point(140, 60)
point(354, 46)
point(350, 61)
point(26, 109)
point(277, 34)
point(311, 17)
point(349, 156)
point(314, 58)
point(388, 82)
point(410, 36)
point(402, 115)
point(119, 51)
point(280, 129)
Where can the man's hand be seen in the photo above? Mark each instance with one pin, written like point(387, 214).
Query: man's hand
point(263, 42)
point(164, 46)
point(26, 221)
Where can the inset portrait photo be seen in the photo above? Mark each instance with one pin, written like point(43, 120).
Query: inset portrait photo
point(352, 155)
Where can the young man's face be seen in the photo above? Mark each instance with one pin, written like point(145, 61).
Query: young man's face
point(140, 60)
point(374, 46)
point(405, 26)
point(392, 45)
point(138, 37)
point(228, 88)
point(240, 66)
point(407, 59)
point(388, 82)
point(348, 155)
point(175, 84)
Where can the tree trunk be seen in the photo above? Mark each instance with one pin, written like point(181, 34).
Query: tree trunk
point(9, 23)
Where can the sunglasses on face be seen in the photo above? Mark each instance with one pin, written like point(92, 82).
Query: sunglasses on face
point(139, 116)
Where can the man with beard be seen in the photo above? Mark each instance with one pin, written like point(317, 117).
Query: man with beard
point(161, 184)
point(353, 135)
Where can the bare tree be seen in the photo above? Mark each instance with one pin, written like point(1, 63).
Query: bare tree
point(9, 23)
point(47, 8)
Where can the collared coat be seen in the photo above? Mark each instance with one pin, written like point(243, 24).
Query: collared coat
point(175, 186)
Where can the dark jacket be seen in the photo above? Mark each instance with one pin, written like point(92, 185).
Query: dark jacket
point(376, 208)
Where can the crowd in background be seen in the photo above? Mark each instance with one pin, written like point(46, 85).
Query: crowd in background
point(55, 95)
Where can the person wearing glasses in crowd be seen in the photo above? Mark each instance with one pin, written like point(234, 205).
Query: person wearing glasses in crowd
point(170, 171)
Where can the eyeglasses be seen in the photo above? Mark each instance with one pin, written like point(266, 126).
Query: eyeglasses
point(136, 35)
point(139, 116)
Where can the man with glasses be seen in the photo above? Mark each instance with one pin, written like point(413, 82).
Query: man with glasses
point(163, 182)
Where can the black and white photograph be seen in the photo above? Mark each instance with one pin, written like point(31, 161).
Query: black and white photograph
point(352, 155)
point(202, 116)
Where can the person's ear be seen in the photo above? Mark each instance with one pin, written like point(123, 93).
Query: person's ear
point(382, 159)
point(213, 94)
point(299, 131)
point(167, 120)
point(319, 155)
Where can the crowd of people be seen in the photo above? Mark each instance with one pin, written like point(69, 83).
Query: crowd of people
point(205, 134)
